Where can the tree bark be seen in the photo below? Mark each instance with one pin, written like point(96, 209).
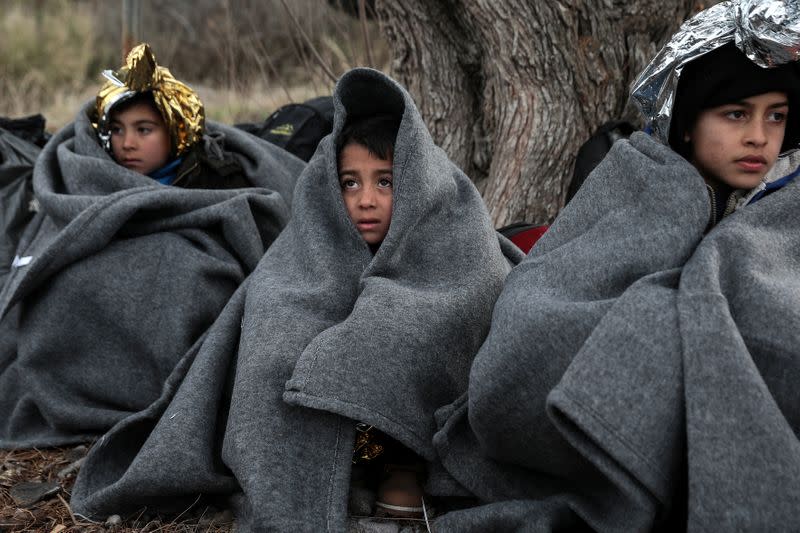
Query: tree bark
point(511, 89)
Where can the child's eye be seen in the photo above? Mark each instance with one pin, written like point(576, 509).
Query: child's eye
point(115, 130)
point(776, 116)
point(736, 114)
point(144, 130)
point(385, 182)
point(349, 184)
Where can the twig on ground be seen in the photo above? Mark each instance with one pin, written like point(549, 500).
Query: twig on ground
point(69, 509)
point(187, 509)
point(41, 455)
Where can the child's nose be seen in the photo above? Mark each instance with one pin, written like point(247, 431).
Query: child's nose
point(128, 140)
point(367, 198)
point(756, 133)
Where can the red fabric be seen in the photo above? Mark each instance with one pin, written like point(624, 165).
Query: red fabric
point(527, 238)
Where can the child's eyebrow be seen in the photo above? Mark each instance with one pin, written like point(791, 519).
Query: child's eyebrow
point(745, 103)
point(355, 171)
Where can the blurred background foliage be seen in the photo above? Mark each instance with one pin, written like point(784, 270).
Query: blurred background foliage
point(244, 57)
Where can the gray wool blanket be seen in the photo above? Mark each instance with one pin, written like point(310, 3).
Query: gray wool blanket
point(118, 276)
point(639, 375)
point(323, 335)
point(17, 157)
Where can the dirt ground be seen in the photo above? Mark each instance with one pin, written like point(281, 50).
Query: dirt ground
point(55, 469)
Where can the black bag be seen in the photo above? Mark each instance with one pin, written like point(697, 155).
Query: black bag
point(30, 128)
point(297, 128)
point(594, 150)
point(17, 206)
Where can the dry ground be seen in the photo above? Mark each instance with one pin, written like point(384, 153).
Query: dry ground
point(53, 514)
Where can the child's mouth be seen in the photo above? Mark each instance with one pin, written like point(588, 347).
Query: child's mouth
point(752, 163)
point(367, 224)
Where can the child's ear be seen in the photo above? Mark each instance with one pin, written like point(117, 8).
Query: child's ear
point(686, 137)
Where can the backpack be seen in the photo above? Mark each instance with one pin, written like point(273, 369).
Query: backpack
point(297, 128)
point(523, 234)
point(594, 150)
point(17, 158)
point(30, 128)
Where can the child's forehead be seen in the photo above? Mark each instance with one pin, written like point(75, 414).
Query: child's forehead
point(770, 99)
point(136, 112)
point(355, 153)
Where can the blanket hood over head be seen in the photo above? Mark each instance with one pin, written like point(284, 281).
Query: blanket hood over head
point(324, 335)
point(439, 259)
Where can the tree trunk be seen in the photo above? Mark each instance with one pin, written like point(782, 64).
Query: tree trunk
point(511, 89)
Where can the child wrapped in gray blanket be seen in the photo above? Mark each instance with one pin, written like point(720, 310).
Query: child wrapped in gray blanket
point(119, 272)
point(366, 311)
point(731, 119)
point(636, 374)
point(153, 124)
point(365, 152)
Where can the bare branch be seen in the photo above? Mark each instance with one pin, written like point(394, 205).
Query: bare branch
point(362, 15)
point(325, 68)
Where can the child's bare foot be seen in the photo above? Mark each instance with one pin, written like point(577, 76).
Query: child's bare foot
point(400, 493)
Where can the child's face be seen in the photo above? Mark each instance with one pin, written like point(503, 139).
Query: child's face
point(737, 144)
point(366, 183)
point(139, 139)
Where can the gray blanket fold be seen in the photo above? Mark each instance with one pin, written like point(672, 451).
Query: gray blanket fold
point(117, 277)
point(17, 157)
point(632, 359)
point(323, 335)
point(742, 407)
